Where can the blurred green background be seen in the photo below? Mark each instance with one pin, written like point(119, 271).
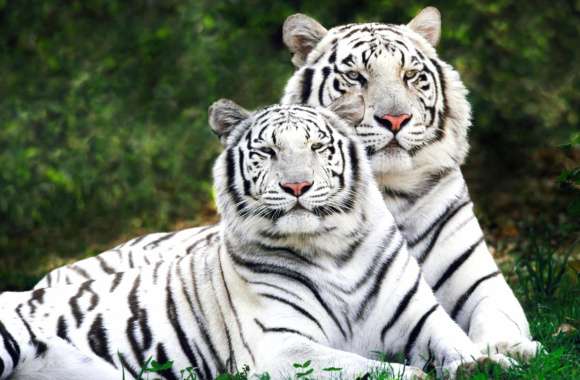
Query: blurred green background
point(103, 125)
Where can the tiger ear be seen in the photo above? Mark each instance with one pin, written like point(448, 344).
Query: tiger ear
point(224, 116)
point(301, 34)
point(427, 24)
point(350, 108)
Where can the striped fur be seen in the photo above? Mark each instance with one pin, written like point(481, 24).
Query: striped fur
point(397, 70)
point(262, 294)
point(418, 171)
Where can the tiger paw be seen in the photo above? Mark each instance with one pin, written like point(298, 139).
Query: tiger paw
point(413, 373)
point(523, 350)
point(465, 369)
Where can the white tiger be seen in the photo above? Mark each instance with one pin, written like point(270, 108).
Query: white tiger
point(415, 134)
point(309, 266)
point(414, 95)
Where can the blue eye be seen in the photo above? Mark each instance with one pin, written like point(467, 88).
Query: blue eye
point(354, 75)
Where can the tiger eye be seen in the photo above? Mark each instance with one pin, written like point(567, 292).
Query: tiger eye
point(353, 75)
point(411, 73)
point(316, 146)
point(269, 151)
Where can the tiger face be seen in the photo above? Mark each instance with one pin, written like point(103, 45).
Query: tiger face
point(288, 170)
point(416, 111)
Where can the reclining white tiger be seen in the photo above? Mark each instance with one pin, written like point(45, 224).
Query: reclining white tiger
point(310, 266)
point(409, 92)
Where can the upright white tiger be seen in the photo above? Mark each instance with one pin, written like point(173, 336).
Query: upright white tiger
point(415, 134)
point(310, 266)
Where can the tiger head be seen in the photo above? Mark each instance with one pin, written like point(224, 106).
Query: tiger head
point(290, 172)
point(417, 114)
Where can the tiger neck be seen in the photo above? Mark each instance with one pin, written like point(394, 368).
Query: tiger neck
point(420, 192)
point(335, 243)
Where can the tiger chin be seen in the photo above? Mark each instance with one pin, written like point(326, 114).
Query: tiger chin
point(415, 135)
point(250, 300)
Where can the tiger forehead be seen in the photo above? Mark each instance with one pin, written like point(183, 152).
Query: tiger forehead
point(374, 39)
point(282, 126)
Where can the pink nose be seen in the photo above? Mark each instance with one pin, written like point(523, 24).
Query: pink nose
point(296, 188)
point(396, 121)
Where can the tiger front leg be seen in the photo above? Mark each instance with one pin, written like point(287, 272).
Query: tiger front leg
point(421, 329)
point(495, 331)
point(286, 355)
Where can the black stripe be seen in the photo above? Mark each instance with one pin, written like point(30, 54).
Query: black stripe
point(293, 275)
point(230, 363)
point(423, 256)
point(80, 271)
point(116, 281)
point(378, 254)
point(465, 296)
point(233, 308)
point(207, 372)
point(162, 359)
point(231, 185)
point(306, 85)
point(456, 264)
point(401, 307)
point(37, 297)
point(417, 330)
point(1, 368)
point(10, 345)
point(295, 307)
point(275, 287)
point(392, 193)
point(325, 74)
point(173, 317)
point(451, 210)
point(62, 329)
point(281, 330)
point(138, 321)
point(74, 302)
point(125, 365)
point(382, 273)
point(98, 340)
point(136, 240)
point(104, 266)
point(40, 346)
point(155, 243)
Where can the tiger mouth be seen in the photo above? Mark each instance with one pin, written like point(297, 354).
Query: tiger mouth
point(393, 144)
point(298, 208)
